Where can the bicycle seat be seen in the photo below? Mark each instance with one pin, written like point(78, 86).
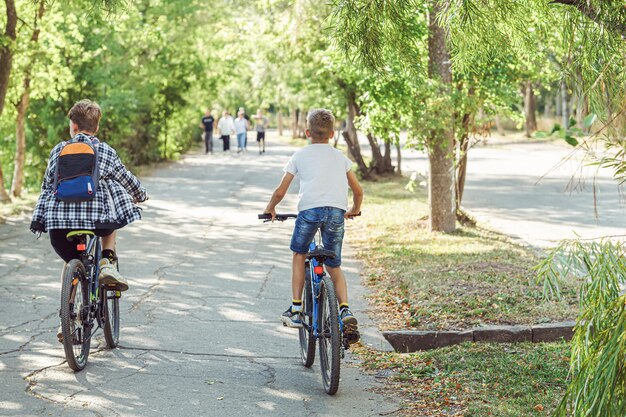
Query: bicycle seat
point(76, 233)
point(321, 254)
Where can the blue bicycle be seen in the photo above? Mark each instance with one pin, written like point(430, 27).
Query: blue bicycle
point(320, 309)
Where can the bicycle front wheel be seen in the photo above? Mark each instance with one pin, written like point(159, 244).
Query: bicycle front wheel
point(329, 340)
point(307, 340)
point(75, 324)
point(111, 308)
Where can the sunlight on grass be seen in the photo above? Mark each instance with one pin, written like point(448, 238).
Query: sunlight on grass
point(425, 280)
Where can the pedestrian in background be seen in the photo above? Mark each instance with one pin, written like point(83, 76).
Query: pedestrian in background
point(241, 128)
point(226, 128)
point(207, 124)
point(261, 124)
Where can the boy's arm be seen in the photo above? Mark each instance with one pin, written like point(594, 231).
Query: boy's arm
point(279, 194)
point(357, 195)
point(38, 221)
point(123, 176)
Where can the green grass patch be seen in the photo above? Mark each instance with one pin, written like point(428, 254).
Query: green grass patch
point(476, 380)
point(426, 280)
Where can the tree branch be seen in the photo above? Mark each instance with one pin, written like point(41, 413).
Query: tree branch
point(617, 27)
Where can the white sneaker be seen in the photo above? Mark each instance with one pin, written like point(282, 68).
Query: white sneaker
point(110, 277)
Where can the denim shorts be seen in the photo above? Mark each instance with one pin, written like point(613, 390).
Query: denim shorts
point(330, 221)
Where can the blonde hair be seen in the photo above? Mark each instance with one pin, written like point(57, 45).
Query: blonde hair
point(86, 114)
point(321, 123)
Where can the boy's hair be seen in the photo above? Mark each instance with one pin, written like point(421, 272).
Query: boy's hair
point(321, 123)
point(86, 114)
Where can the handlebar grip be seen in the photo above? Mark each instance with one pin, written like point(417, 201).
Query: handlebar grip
point(265, 216)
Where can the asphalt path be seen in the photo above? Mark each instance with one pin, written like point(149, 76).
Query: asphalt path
point(537, 192)
point(200, 333)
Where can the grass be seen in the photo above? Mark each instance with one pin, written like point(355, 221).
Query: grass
point(476, 380)
point(472, 277)
point(428, 281)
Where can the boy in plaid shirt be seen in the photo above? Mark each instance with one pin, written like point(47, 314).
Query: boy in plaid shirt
point(112, 207)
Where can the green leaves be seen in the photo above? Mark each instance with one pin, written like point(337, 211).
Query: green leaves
point(589, 120)
point(599, 345)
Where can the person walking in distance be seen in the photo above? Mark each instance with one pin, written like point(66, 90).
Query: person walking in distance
point(226, 128)
point(207, 123)
point(241, 127)
point(262, 123)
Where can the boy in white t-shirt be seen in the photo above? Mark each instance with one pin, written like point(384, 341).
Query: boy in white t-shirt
point(325, 175)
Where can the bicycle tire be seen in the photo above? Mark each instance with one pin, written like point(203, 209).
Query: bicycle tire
point(111, 308)
point(329, 339)
point(307, 340)
point(75, 316)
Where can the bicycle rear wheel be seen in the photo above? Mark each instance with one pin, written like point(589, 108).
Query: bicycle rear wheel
point(329, 340)
point(307, 340)
point(111, 313)
point(75, 315)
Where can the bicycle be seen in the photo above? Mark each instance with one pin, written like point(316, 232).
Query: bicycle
point(85, 302)
point(320, 313)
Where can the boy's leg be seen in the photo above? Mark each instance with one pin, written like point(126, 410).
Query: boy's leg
point(109, 275)
point(297, 275)
point(341, 287)
point(108, 242)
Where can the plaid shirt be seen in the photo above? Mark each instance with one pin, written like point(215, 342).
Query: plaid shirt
point(112, 206)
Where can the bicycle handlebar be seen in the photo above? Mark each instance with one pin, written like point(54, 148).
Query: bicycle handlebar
point(282, 217)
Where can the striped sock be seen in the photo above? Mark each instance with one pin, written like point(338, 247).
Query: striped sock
point(296, 305)
point(343, 306)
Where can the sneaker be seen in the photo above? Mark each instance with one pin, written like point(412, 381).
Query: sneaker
point(60, 334)
point(110, 277)
point(350, 326)
point(292, 319)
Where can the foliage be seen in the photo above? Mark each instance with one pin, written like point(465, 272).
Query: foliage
point(598, 382)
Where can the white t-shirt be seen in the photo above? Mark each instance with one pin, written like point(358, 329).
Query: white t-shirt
point(322, 171)
point(226, 126)
point(241, 125)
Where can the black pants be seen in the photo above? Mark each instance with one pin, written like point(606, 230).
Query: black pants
point(208, 141)
point(67, 249)
point(226, 142)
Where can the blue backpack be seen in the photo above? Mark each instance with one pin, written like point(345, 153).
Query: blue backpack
point(76, 174)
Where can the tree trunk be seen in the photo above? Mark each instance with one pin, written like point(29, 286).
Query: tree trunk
point(398, 158)
point(279, 123)
point(530, 109)
point(557, 104)
point(387, 158)
point(20, 141)
point(564, 106)
point(442, 216)
point(462, 166)
point(499, 127)
point(350, 135)
point(22, 109)
point(4, 196)
point(294, 123)
point(377, 156)
point(302, 124)
point(6, 63)
point(6, 50)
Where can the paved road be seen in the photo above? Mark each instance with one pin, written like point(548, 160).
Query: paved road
point(505, 188)
point(200, 334)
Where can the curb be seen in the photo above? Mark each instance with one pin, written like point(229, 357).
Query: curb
point(407, 341)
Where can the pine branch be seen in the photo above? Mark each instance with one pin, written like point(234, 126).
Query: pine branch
point(585, 7)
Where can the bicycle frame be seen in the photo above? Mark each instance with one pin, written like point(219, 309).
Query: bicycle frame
point(90, 259)
point(314, 281)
